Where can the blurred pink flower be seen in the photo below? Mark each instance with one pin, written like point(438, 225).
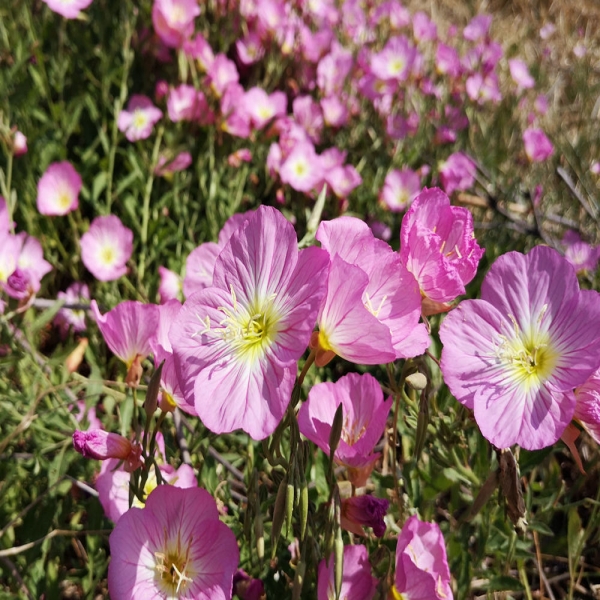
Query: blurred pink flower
point(302, 168)
point(594, 168)
point(69, 9)
point(357, 580)
point(138, 120)
point(235, 159)
point(199, 49)
point(457, 172)
point(365, 414)
point(236, 118)
point(537, 146)
point(422, 571)
point(478, 28)
point(5, 223)
point(438, 246)
point(67, 318)
point(173, 20)
point(515, 356)
point(400, 188)
point(263, 107)
point(483, 88)
point(309, 116)
point(359, 512)
point(547, 30)
point(237, 343)
point(170, 286)
point(335, 113)
point(343, 180)
point(447, 61)
point(176, 546)
point(166, 166)
point(249, 49)
point(587, 405)
point(106, 247)
point(19, 144)
point(520, 74)
point(185, 103)
point(582, 256)
point(221, 73)
point(395, 61)
point(58, 189)
point(102, 445)
point(424, 29)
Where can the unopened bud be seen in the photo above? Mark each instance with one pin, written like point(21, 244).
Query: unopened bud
point(151, 401)
point(339, 562)
point(289, 508)
point(417, 381)
point(260, 536)
point(336, 430)
point(303, 507)
point(74, 359)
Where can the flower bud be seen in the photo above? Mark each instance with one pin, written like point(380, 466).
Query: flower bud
point(101, 445)
point(364, 511)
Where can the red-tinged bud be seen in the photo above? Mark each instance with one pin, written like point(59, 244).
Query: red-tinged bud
point(364, 511)
point(101, 445)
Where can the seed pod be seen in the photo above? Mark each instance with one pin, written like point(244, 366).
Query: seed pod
point(289, 508)
point(278, 515)
point(339, 561)
point(151, 401)
point(303, 506)
point(260, 536)
point(336, 430)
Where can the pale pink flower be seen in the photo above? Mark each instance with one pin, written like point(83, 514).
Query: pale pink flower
point(235, 112)
point(173, 20)
point(222, 73)
point(263, 107)
point(357, 580)
point(422, 571)
point(185, 103)
point(22, 265)
point(309, 116)
point(580, 50)
point(237, 158)
point(400, 188)
point(520, 74)
point(582, 256)
point(170, 286)
point(515, 355)
point(129, 329)
point(5, 223)
point(457, 172)
point(365, 414)
point(395, 61)
point(138, 120)
point(477, 28)
point(363, 511)
point(587, 405)
point(333, 69)
point(483, 88)
point(249, 49)
point(237, 343)
point(447, 61)
point(384, 294)
point(271, 16)
point(69, 9)
point(594, 168)
point(176, 546)
point(302, 169)
point(10, 248)
point(58, 189)
point(541, 104)
point(167, 167)
point(67, 318)
point(335, 112)
point(314, 45)
point(106, 247)
point(102, 445)
point(547, 30)
point(19, 144)
point(343, 180)
point(537, 145)
point(438, 246)
point(424, 29)
point(199, 49)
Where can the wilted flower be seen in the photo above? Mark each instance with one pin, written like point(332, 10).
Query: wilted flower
point(357, 580)
point(174, 547)
point(515, 356)
point(421, 565)
point(359, 512)
point(106, 247)
point(138, 120)
point(58, 189)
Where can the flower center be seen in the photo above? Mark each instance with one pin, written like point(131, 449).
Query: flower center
point(171, 572)
point(352, 432)
point(140, 119)
point(64, 199)
point(107, 255)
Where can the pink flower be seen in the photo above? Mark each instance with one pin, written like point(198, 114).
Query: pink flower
point(66, 318)
point(138, 120)
point(173, 20)
point(308, 115)
point(199, 49)
point(237, 158)
point(421, 565)
point(447, 61)
point(249, 49)
point(335, 113)
point(237, 343)
point(400, 188)
point(129, 330)
point(547, 30)
point(537, 146)
point(395, 61)
point(170, 286)
point(19, 144)
point(69, 9)
point(515, 355)
point(365, 414)
point(369, 291)
point(175, 546)
point(477, 28)
point(263, 107)
point(58, 189)
point(424, 29)
point(5, 223)
point(236, 116)
point(457, 172)
point(106, 248)
point(359, 512)
point(357, 580)
point(483, 88)
point(438, 246)
point(185, 103)
point(302, 169)
point(343, 180)
point(587, 405)
point(222, 73)
point(101, 445)
point(166, 167)
point(520, 74)
point(582, 256)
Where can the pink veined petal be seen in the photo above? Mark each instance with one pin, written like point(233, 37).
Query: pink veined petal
point(346, 236)
point(357, 580)
point(351, 330)
point(199, 268)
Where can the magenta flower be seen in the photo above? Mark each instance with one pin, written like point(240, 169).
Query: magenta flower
point(58, 189)
point(395, 61)
point(106, 248)
point(173, 20)
point(262, 107)
point(101, 445)
point(457, 172)
point(302, 168)
point(19, 143)
point(185, 103)
point(582, 256)
point(167, 166)
point(129, 330)
point(221, 74)
point(69, 9)
point(439, 248)
point(138, 120)
point(170, 285)
point(515, 355)
point(175, 547)
point(31, 260)
point(400, 188)
point(359, 512)
point(67, 318)
point(537, 145)
point(357, 580)
point(421, 565)
point(587, 406)
point(237, 343)
point(365, 414)
point(478, 28)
